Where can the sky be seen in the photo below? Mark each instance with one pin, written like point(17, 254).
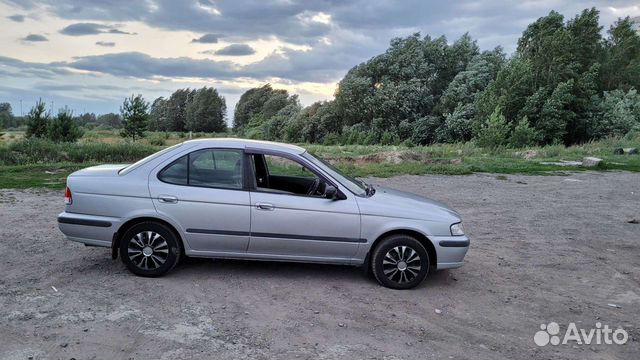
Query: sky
point(91, 54)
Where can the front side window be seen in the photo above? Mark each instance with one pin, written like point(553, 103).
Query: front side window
point(278, 174)
point(281, 166)
point(220, 168)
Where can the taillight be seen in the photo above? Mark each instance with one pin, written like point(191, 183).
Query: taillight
point(68, 199)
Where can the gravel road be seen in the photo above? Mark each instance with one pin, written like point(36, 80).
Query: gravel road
point(544, 249)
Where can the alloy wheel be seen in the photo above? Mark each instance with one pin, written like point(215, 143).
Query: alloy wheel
point(401, 264)
point(148, 250)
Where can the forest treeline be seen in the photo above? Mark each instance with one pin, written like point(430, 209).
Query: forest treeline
point(567, 82)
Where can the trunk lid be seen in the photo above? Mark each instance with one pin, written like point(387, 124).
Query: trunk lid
point(100, 170)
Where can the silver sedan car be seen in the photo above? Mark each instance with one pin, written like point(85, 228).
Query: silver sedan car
point(244, 199)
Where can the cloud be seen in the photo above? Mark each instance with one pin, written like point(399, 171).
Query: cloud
point(16, 18)
point(139, 65)
point(236, 50)
point(25, 68)
point(207, 39)
point(35, 38)
point(81, 29)
point(106, 43)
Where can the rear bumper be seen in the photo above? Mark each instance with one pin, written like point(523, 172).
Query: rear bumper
point(450, 251)
point(88, 229)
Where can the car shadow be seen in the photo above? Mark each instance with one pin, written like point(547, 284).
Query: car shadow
point(290, 271)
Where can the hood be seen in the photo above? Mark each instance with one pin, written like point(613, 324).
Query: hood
point(395, 203)
point(100, 170)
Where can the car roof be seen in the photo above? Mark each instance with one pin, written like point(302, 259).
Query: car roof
point(247, 144)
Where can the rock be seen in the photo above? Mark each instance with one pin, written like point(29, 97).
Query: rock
point(316, 312)
point(562, 163)
point(591, 161)
point(618, 151)
point(615, 306)
point(634, 221)
point(631, 151)
point(341, 324)
point(438, 311)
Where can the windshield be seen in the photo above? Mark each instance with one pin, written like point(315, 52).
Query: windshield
point(354, 185)
point(125, 170)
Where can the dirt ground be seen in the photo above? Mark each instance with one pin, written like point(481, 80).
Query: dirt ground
point(544, 248)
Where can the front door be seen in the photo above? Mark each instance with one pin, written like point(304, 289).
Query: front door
point(291, 220)
point(203, 192)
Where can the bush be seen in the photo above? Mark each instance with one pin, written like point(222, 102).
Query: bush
point(494, 131)
point(408, 143)
point(424, 130)
point(371, 138)
point(331, 139)
point(157, 140)
point(523, 135)
point(36, 151)
point(63, 128)
point(389, 138)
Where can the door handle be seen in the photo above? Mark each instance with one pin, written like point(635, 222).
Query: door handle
point(265, 206)
point(168, 199)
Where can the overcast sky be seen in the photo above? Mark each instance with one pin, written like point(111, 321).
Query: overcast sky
point(90, 54)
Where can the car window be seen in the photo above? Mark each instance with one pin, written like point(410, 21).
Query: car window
point(281, 166)
point(207, 167)
point(176, 173)
point(281, 175)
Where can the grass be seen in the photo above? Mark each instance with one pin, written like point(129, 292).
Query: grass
point(52, 176)
point(26, 164)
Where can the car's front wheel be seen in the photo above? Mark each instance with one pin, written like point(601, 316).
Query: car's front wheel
point(149, 249)
point(400, 262)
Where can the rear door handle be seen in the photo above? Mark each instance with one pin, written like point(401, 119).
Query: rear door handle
point(168, 199)
point(264, 206)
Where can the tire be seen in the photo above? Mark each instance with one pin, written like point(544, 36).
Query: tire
point(150, 249)
point(395, 265)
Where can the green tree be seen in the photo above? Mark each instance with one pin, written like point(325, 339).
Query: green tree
point(176, 109)
point(556, 113)
point(111, 120)
point(158, 120)
point(134, 117)
point(457, 126)
point(621, 63)
point(494, 132)
point(404, 83)
point(37, 120)
point(263, 100)
point(63, 128)
point(467, 84)
point(618, 113)
point(6, 115)
point(206, 112)
point(523, 134)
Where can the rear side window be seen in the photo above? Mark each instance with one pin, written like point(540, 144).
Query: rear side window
point(220, 168)
point(177, 172)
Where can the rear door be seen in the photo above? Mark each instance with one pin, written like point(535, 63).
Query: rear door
point(204, 192)
point(289, 223)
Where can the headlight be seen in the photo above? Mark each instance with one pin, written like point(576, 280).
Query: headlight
point(457, 229)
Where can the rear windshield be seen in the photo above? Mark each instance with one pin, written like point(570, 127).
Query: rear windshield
point(125, 170)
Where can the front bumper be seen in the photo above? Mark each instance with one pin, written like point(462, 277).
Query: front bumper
point(88, 229)
point(450, 251)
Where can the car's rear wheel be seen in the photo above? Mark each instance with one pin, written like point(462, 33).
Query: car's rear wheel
point(400, 262)
point(149, 249)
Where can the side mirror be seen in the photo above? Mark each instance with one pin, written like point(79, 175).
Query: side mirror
point(330, 192)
